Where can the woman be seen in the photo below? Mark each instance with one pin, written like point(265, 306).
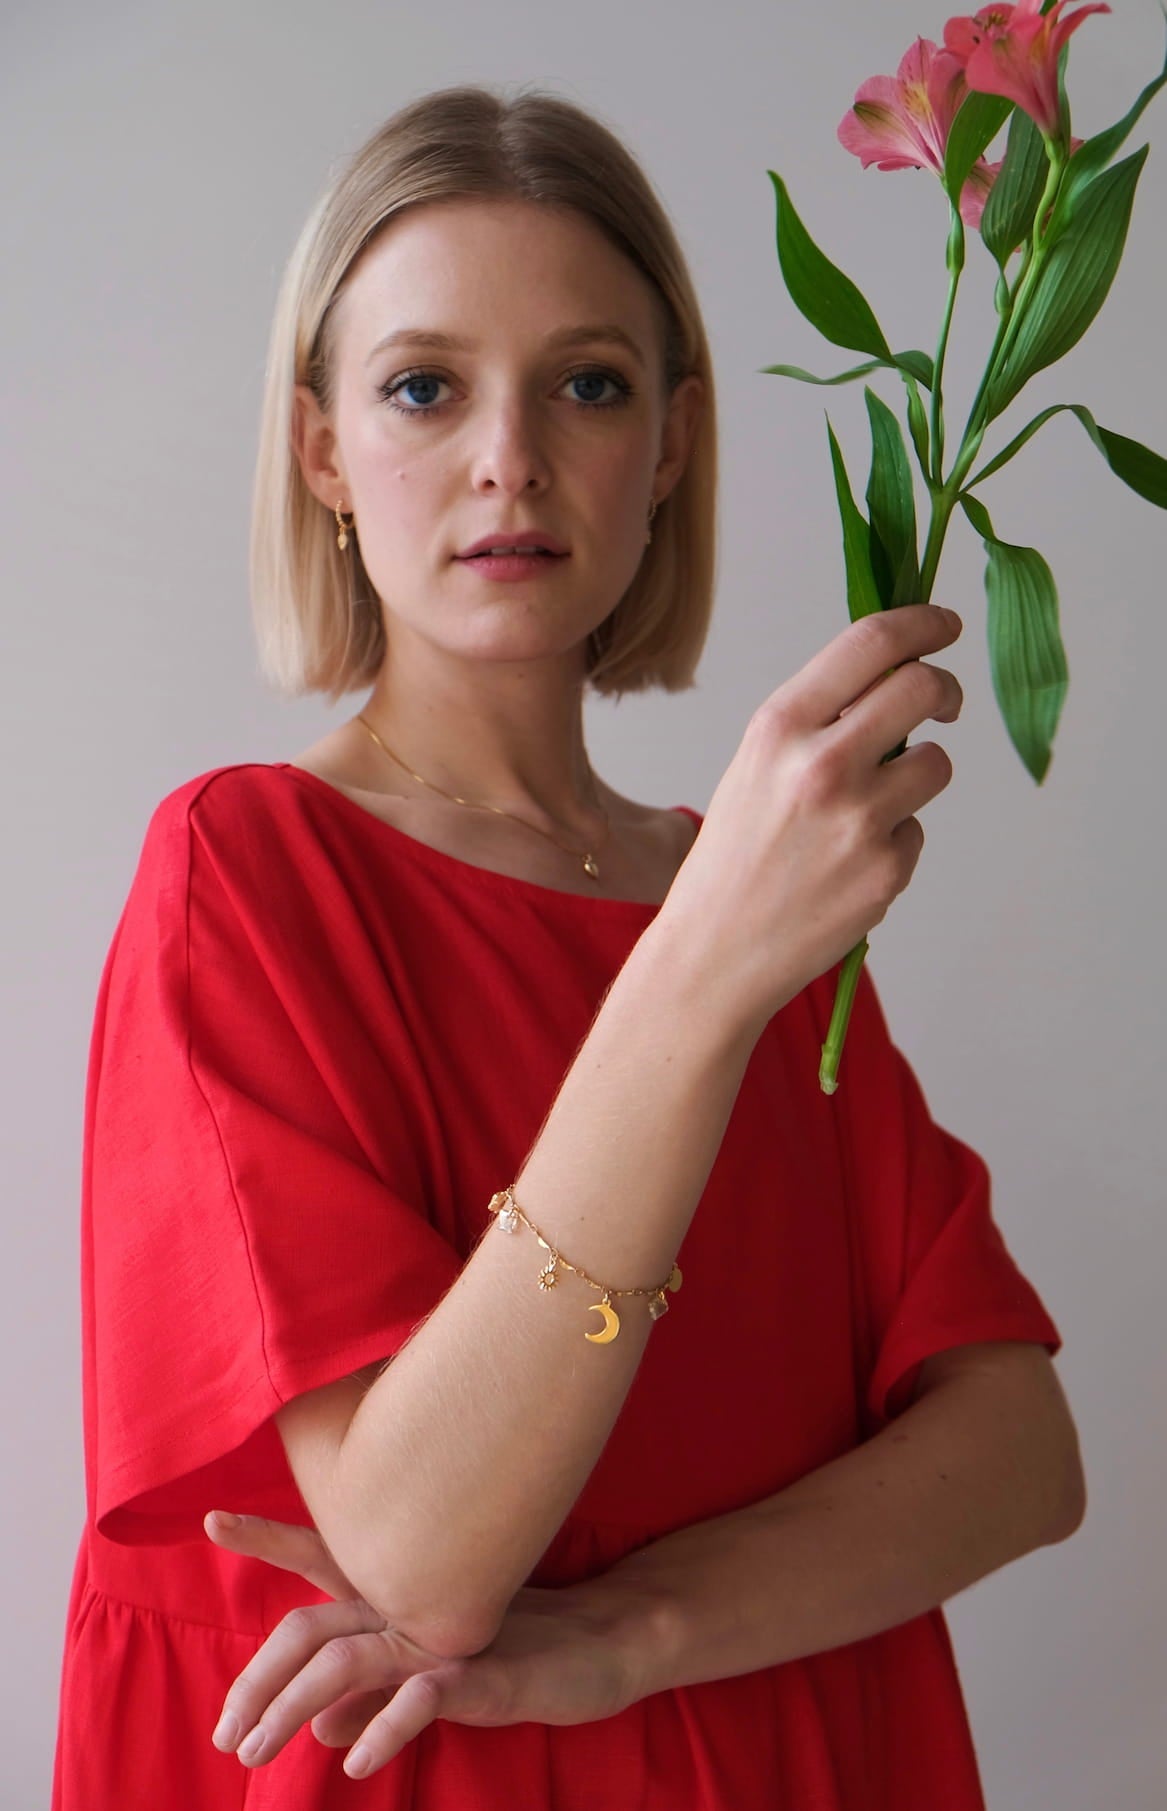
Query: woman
point(411, 1051)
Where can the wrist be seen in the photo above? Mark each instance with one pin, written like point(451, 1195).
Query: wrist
point(641, 1624)
point(675, 966)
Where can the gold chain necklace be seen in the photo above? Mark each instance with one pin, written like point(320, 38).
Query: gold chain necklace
point(588, 857)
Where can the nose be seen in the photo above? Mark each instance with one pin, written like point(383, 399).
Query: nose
point(510, 456)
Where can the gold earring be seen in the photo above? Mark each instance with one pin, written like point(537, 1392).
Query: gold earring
point(651, 514)
point(342, 528)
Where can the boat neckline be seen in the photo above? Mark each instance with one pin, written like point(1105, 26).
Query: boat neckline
point(428, 856)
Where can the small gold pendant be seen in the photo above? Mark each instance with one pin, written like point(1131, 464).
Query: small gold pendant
point(611, 1320)
point(589, 865)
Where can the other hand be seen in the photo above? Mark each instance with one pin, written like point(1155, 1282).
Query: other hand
point(561, 1656)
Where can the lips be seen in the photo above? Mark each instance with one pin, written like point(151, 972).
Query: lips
point(526, 540)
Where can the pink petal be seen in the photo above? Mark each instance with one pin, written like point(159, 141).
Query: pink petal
point(961, 38)
point(1013, 51)
point(877, 134)
point(1065, 28)
point(976, 190)
point(881, 125)
point(916, 62)
point(1006, 66)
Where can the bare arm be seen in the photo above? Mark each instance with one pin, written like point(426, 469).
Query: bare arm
point(439, 1486)
point(463, 1458)
point(981, 1469)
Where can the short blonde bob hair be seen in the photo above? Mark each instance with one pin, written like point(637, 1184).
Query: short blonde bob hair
point(317, 618)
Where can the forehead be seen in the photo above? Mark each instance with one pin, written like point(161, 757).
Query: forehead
point(479, 269)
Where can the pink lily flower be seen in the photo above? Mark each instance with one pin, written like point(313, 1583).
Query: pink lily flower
point(1013, 51)
point(902, 122)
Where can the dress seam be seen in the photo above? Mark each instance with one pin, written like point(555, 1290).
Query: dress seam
point(195, 1078)
point(191, 1622)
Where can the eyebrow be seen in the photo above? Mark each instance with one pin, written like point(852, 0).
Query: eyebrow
point(586, 334)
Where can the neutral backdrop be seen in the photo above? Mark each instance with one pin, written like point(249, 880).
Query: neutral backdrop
point(159, 161)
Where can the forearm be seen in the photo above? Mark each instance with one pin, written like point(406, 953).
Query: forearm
point(462, 1459)
point(964, 1481)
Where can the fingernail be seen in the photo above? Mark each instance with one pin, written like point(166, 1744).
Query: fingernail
point(227, 1732)
point(227, 1519)
point(253, 1747)
point(954, 619)
point(357, 1762)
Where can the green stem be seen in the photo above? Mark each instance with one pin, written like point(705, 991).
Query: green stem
point(943, 504)
point(1032, 265)
point(944, 494)
point(954, 258)
point(840, 1018)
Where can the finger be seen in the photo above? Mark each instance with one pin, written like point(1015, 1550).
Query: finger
point(908, 841)
point(288, 1648)
point(837, 676)
point(350, 1664)
point(284, 1544)
point(413, 1707)
point(905, 785)
point(898, 704)
point(341, 1724)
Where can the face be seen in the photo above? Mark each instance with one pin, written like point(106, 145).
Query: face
point(433, 447)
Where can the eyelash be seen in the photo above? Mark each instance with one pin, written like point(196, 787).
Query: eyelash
point(390, 389)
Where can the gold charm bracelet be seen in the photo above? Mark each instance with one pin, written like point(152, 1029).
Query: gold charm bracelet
point(508, 1214)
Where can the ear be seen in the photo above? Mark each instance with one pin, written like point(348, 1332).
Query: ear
point(677, 433)
point(314, 444)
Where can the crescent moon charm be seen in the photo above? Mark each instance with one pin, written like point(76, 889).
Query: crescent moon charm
point(611, 1324)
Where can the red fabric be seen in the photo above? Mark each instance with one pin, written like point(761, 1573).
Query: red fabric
point(319, 1048)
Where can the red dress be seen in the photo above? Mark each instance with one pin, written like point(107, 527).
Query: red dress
point(320, 1046)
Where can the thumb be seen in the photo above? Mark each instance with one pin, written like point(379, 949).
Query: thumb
point(287, 1545)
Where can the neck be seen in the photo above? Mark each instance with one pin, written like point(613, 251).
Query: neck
point(492, 733)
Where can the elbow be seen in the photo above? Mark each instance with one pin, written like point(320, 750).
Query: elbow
point(1071, 1496)
point(443, 1618)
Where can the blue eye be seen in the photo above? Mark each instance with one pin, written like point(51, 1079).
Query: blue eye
point(589, 374)
point(407, 381)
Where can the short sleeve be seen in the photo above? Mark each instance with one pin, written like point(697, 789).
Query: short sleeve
point(254, 1206)
point(931, 1268)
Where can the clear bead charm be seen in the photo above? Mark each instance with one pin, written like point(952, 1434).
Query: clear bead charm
point(503, 1209)
point(657, 1306)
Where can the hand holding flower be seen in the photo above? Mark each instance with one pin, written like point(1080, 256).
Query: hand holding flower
point(1057, 205)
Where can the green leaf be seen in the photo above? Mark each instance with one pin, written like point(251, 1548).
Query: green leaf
point(1079, 269)
point(1026, 656)
point(918, 426)
point(916, 364)
point(978, 515)
point(819, 290)
point(1097, 152)
point(977, 124)
point(863, 597)
point(1013, 200)
point(1145, 471)
point(892, 502)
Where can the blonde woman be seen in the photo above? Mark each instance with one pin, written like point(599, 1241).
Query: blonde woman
point(429, 1071)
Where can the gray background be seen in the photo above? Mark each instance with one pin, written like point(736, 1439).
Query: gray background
point(159, 162)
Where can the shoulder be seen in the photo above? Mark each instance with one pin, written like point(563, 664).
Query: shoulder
point(234, 806)
point(221, 795)
point(231, 828)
